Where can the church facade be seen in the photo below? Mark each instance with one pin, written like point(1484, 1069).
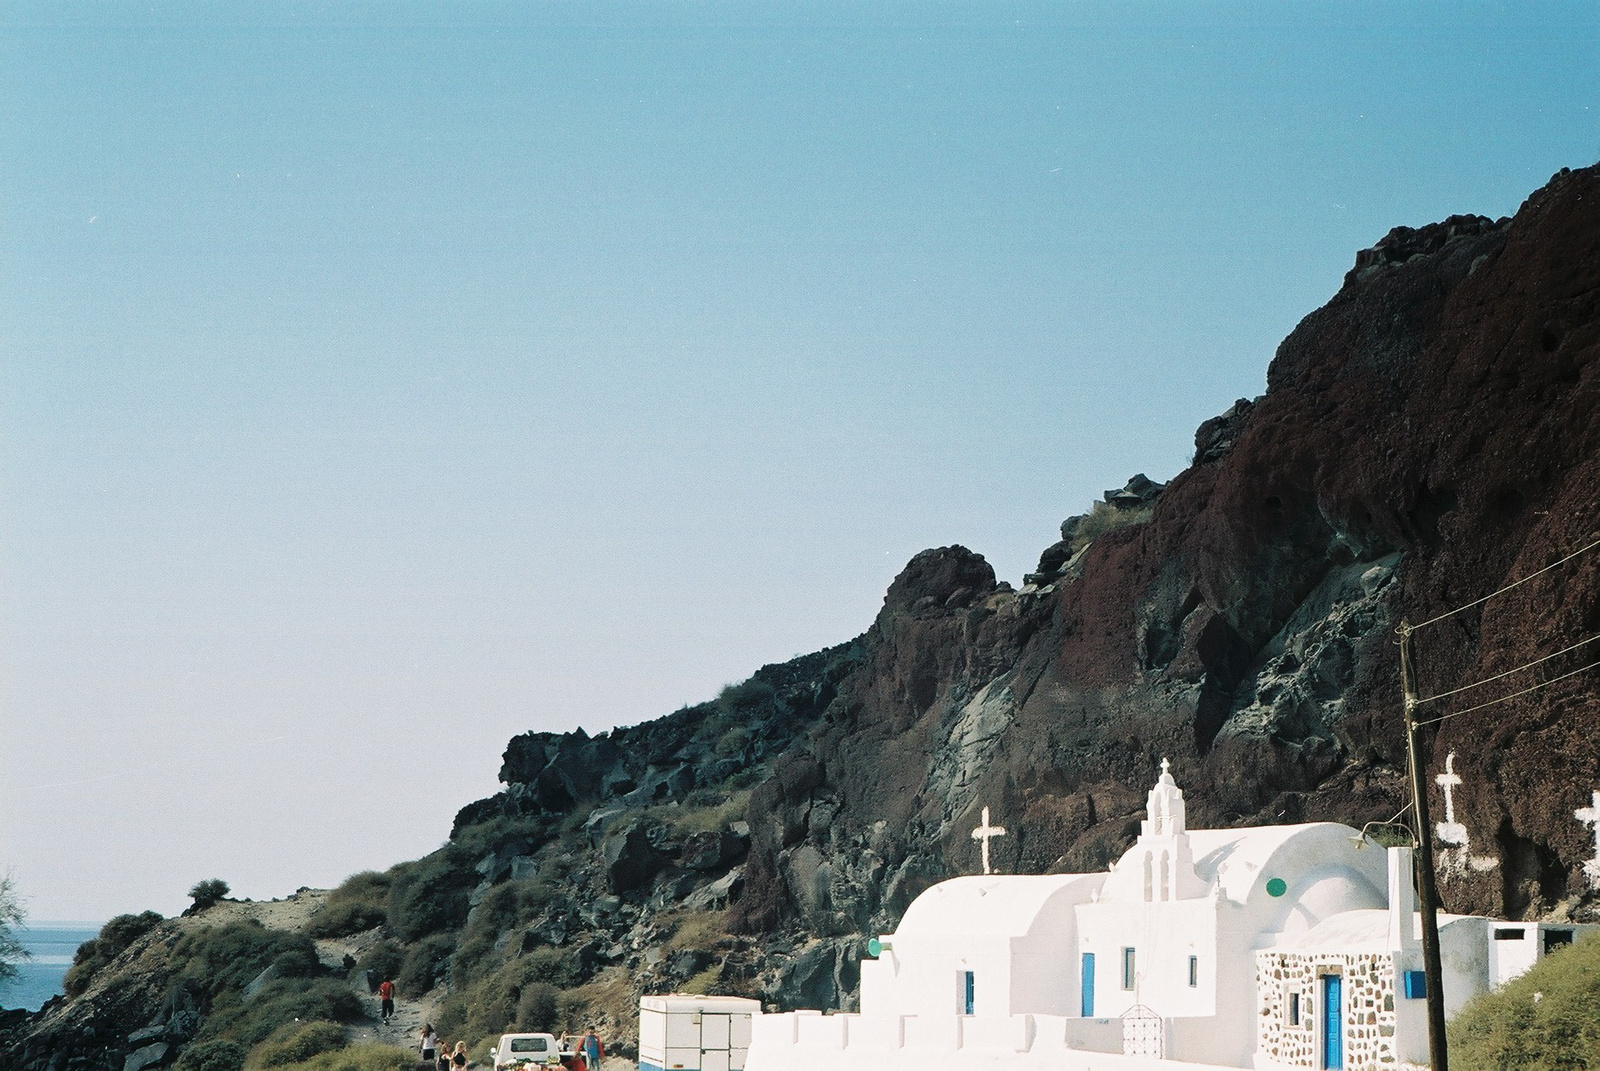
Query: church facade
point(1272, 948)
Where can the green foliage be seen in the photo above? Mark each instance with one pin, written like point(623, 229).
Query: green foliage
point(384, 959)
point(280, 1002)
point(1542, 1021)
point(539, 1007)
point(230, 956)
point(495, 1002)
point(207, 893)
point(11, 916)
point(94, 954)
point(746, 697)
point(430, 894)
point(212, 1056)
point(295, 1043)
point(369, 1056)
point(507, 906)
point(425, 963)
point(359, 904)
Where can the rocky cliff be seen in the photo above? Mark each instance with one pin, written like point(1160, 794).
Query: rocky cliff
point(1427, 437)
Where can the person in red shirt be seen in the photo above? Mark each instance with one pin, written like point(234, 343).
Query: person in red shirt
point(592, 1050)
point(386, 997)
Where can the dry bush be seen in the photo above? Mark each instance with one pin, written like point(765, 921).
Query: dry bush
point(1103, 518)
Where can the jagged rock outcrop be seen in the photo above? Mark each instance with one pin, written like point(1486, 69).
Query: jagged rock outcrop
point(1426, 436)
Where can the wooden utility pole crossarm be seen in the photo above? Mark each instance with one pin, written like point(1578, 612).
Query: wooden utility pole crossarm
point(1427, 889)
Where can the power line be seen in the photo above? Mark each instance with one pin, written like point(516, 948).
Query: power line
point(1513, 695)
point(1509, 672)
point(1508, 587)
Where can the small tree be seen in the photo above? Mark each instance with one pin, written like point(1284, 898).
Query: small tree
point(11, 916)
point(206, 894)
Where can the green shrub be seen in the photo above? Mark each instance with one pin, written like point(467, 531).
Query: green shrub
point(1542, 1021)
point(278, 1004)
point(495, 1003)
point(745, 697)
point(206, 894)
point(368, 1056)
point(212, 1056)
point(295, 1043)
point(360, 903)
point(230, 956)
point(425, 963)
point(113, 939)
point(539, 1008)
point(430, 894)
point(384, 959)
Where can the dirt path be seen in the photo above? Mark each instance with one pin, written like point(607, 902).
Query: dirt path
point(404, 1027)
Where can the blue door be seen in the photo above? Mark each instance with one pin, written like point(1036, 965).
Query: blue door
point(1086, 1001)
point(1332, 1021)
point(967, 992)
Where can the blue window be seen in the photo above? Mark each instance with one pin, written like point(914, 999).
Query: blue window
point(1127, 968)
point(1086, 998)
point(966, 992)
point(1194, 971)
point(1416, 985)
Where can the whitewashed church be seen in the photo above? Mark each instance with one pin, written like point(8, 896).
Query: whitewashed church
point(1272, 948)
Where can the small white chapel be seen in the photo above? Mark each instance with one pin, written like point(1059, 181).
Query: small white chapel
point(1272, 948)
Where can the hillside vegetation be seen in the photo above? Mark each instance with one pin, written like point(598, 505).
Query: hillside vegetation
point(1547, 1020)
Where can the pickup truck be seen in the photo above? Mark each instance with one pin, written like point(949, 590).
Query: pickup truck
point(530, 1051)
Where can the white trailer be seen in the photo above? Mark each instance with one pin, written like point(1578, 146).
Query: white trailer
point(679, 1032)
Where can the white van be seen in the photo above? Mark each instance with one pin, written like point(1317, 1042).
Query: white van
point(681, 1032)
point(526, 1050)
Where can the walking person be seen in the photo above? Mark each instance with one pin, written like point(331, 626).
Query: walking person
point(429, 1043)
point(386, 999)
point(593, 1051)
point(459, 1060)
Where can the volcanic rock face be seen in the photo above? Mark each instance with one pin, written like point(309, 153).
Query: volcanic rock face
point(1430, 434)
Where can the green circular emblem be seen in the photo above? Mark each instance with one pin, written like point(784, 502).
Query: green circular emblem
point(1277, 886)
point(874, 946)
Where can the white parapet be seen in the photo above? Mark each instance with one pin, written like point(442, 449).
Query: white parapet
point(826, 1033)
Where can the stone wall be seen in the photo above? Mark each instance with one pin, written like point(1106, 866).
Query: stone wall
point(1368, 995)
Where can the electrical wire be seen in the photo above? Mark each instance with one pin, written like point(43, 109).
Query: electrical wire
point(1507, 673)
point(1508, 587)
point(1513, 695)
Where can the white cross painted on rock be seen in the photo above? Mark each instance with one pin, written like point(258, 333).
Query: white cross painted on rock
point(1448, 781)
point(1590, 816)
point(985, 831)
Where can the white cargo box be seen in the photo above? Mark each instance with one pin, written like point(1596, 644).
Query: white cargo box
point(678, 1032)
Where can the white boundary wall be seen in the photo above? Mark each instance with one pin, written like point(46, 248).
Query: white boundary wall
point(808, 1041)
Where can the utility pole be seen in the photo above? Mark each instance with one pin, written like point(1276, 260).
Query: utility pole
point(1427, 890)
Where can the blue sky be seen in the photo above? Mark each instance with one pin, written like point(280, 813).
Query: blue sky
point(380, 381)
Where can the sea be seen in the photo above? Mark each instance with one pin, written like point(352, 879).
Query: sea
point(39, 977)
